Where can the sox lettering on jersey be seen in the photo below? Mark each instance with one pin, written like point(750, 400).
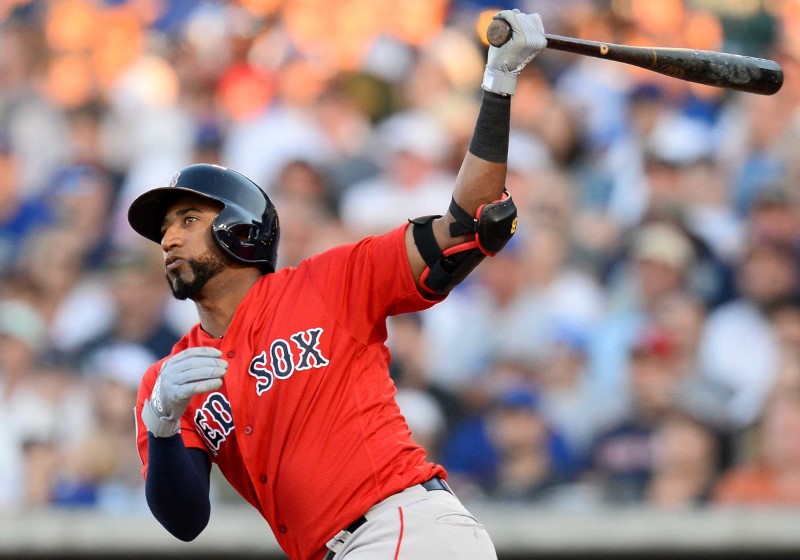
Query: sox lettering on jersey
point(214, 419)
point(284, 358)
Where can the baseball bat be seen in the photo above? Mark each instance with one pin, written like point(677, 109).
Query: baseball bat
point(712, 68)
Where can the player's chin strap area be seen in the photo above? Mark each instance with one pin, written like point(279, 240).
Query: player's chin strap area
point(492, 227)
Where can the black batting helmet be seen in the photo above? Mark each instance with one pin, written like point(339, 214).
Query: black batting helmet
point(246, 228)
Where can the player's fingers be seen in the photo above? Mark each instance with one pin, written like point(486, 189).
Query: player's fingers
point(193, 352)
point(193, 363)
point(188, 390)
point(196, 362)
point(210, 371)
point(533, 29)
point(509, 16)
point(206, 386)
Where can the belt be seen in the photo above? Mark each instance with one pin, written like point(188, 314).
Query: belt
point(434, 483)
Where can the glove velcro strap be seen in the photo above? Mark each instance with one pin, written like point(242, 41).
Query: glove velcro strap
point(159, 426)
point(499, 82)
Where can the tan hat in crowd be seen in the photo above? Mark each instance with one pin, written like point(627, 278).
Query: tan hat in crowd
point(664, 244)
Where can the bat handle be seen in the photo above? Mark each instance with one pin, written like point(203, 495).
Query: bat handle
point(498, 33)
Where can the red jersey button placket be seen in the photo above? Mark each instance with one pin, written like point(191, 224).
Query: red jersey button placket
point(231, 354)
point(248, 430)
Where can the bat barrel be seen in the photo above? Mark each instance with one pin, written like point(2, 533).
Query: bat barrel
point(731, 71)
point(724, 70)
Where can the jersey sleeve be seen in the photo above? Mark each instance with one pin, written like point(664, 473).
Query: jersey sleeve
point(365, 282)
point(188, 432)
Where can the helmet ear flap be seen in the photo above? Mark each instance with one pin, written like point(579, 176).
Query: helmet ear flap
point(246, 241)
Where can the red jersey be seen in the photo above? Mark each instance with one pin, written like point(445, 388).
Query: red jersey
point(305, 426)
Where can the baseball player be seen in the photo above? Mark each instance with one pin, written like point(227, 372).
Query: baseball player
point(284, 382)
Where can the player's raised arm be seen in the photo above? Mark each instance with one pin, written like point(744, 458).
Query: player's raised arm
point(482, 217)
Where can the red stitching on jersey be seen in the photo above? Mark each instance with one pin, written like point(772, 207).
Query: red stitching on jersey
point(400, 537)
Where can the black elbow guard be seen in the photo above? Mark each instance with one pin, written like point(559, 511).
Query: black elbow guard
point(494, 226)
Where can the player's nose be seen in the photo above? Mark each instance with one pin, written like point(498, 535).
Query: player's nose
point(171, 238)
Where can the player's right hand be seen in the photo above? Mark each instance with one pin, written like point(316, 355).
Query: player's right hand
point(504, 63)
point(191, 372)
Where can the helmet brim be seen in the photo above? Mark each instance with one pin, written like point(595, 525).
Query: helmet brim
point(146, 213)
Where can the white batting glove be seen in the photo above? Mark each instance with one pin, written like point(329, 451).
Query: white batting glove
point(506, 62)
point(188, 373)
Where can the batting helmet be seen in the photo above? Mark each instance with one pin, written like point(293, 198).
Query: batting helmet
point(246, 228)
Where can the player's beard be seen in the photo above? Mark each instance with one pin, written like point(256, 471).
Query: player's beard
point(203, 268)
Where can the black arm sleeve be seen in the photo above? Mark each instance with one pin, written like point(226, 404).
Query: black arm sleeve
point(492, 129)
point(177, 486)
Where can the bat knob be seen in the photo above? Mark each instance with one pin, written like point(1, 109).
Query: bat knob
point(498, 33)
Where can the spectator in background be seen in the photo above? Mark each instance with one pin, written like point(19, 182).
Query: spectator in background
point(658, 265)
point(511, 453)
point(140, 300)
point(685, 463)
point(772, 475)
point(675, 149)
point(429, 408)
point(20, 214)
point(75, 306)
point(483, 322)
point(33, 123)
point(682, 317)
point(533, 461)
point(302, 179)
point(80, 198)
point(775, 218)
point(514, 305)
point(425, 418)
point(466, 451)
point(621, 459)
point(643, 160)
point(767, 272)
point(784, 315)
point(42, 410)
point(569, 401)
point(21, 333)
point(274, 123)
point(344, 113)
point(414, 147)
point(101, 470)
point(757, 146)
point(559, 293)
point(705, 203)
point(310, 208)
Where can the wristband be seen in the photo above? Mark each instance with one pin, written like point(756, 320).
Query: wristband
point(499, 82)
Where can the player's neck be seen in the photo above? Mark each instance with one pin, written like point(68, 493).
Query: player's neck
point(220, 297)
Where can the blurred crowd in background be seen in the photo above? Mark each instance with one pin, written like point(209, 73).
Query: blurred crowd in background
point(638, 341)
